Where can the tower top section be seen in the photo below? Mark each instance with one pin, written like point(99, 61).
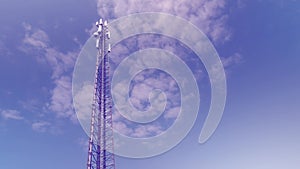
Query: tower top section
point(102, 34)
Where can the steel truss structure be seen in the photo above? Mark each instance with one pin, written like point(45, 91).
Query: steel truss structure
point(100, 153)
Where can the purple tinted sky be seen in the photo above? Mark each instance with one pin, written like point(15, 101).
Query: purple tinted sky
point(258, 41)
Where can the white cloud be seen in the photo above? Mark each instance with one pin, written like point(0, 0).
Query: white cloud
point(31, 105)
point(146, 131)
point(11, 114)
point(61, 63)
point(234, 59)
point(38, 39)
point(140, 95)
point(36, 42)
point(143, 84)
point(83, 100)
point(139, 131)
point(41, 126)
point(227, 62)
point(172, 113)
point(122, 128)
point(61, 99)
point(230, 61)
point(83, 143)
point(38, 126)
point(208, 15)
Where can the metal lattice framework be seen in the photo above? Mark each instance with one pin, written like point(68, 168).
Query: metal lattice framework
point(100, 154)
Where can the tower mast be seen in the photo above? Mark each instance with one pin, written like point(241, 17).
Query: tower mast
point(100, 153)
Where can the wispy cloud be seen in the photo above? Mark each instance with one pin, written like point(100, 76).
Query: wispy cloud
point(11, 114)
point(138, 131)
point(37, 38)
point(41, 126)
point(231, 61)
point(146, 131)
point(31, 105)
point(234, 59)
point(83, 143)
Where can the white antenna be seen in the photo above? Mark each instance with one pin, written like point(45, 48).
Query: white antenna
point(109, 48)
point(108, 34)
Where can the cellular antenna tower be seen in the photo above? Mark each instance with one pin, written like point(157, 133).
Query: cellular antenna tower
point(100, 154)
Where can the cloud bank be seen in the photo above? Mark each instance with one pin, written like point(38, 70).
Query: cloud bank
point(36, 42)
point(209, 15)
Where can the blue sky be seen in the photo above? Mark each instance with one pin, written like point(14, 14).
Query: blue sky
point(258, 42)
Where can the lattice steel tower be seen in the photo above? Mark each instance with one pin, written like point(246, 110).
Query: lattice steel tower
point(100, 155)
